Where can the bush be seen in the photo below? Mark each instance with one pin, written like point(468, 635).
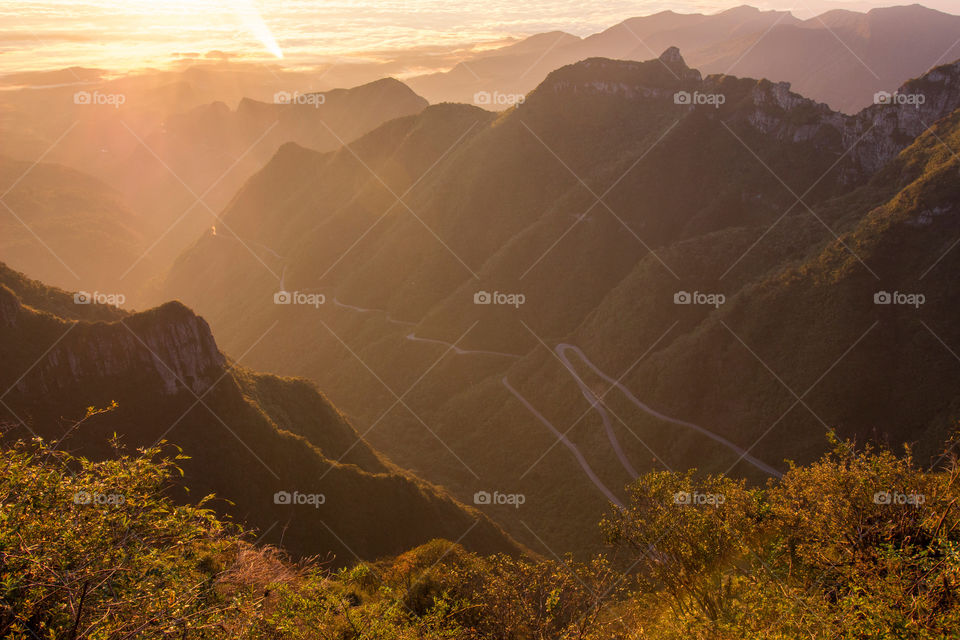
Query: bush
point(94, 550)
point(861, 544)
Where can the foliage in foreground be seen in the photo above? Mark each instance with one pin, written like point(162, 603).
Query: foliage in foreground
point(861, 544)
point(857, 545)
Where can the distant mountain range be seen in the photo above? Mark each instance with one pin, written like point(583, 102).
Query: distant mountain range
point(635, 266)
point(616, 192)
point(255, 441)
point(68, 228)
point(170, 164)
point(841, 57)
point(175, 150)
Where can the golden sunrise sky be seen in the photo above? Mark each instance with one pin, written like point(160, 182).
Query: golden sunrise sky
point(126, 34)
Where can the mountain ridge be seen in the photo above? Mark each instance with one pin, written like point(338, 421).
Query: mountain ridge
point(165, 378)
point(843, 68)
point(513, 200)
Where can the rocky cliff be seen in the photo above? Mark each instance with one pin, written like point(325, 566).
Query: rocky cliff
point(862, 143)
point(170, 346)
point(249, 439)
point(871, 138)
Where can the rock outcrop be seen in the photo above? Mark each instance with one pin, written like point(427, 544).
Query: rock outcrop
point(862, 143)
point(168, 348)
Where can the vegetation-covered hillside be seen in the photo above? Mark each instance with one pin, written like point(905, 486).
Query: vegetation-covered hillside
point(600, 199)
point(274, 450)
point(860, 544)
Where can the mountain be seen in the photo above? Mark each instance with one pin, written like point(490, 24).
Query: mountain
point(402, 229)
point(58, 302)
point(518, 68)
point(174, 159)
point(863, 331)
point(842, 58)
point(250, 437)
point(68, 228)
point(205, 143)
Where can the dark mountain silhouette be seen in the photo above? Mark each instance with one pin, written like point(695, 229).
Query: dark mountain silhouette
point(247, 435)
point(841, 58)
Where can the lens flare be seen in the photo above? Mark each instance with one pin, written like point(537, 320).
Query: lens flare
point(252, 19)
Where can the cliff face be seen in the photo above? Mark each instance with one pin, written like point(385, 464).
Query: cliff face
point(779, 112)
point(887, 129)
point(9, 307)
point(169, 346)
point(871, 138)
point(254, 436)
point(863, 143)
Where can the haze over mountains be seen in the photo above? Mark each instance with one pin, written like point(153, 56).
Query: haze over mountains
point(249, 437)
point(598, 200)
point(170, 160)
point(841, 57)
point(695, 242)
point(176, 145)
point(68, 228)
point(649, 334)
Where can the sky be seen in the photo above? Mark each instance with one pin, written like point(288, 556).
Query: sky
point(123, 34)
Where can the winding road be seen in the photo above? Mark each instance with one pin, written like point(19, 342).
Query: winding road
point(458, 350)
point(597, 404)
point(568, 444)
point(385, 313)
point(562, 350)
point(414, 338)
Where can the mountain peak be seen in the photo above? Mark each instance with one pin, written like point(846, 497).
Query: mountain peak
point(740, 10)
point(672, 57)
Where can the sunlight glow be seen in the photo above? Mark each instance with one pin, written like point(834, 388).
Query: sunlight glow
point(46, 35)
point(254, 21)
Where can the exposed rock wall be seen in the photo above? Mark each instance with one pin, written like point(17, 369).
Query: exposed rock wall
point(170, 344)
